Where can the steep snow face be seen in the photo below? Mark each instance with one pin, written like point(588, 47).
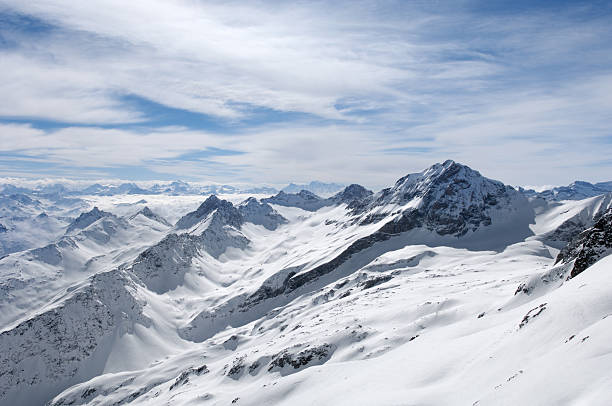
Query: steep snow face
point(559, 222)
point(69, 341)
point(214, 226)
point(86, 219)
point(31, 278)
point(451, 199)
point(148, 213)
point(223, 209)
point(210, 230)
point(352, 195)
point(589, 246)
point(163, 266)
point(304, 200)
point(263, 214)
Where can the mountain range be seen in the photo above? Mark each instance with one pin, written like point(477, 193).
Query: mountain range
point(175, 188)
point(445, 288)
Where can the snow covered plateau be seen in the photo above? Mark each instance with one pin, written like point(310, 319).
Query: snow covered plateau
point(447, 288)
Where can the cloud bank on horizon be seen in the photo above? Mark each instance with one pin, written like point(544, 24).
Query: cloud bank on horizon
point(276, 92)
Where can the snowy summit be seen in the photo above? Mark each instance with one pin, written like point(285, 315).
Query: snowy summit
point(447, 285)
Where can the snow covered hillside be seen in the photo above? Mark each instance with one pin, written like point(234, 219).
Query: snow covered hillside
point(445, 288)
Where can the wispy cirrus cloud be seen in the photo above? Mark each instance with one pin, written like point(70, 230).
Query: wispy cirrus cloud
point(359, 91)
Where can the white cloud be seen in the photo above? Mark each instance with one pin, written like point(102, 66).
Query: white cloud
point(200, 57)
point(514, 97)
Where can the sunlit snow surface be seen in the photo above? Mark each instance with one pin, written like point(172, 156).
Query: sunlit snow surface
point(402, 325)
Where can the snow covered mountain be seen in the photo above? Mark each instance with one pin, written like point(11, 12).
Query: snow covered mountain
point(451, 199)
point(315, 187)
point(175, 188)
point(256, 212)
point(29, 221)
point(442, 289)
point(589, 246)
point(304, 200)
point(577, 190)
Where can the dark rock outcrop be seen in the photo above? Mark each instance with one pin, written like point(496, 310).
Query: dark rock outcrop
point(589, 246)
point(448, 199)
point(304, 359)
point(582, 220)
point(352, 193)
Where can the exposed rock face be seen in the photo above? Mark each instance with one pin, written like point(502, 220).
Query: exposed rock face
point(183, 378)
point(449, 199)
point(224, 209)
point(573, 226)
point(255, 212)
point(215, 227)
point(86, 219)
point(287, 362)
point(162, 267)
point(304, 200)
point(375, 281)
point(355, 196)
point(63, 340)
point(567, 231)
point(589, 246)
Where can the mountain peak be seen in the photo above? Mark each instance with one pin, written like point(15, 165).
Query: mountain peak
point(439, 179)
point(351, 193)
point(148, 213)
point(307, 194)
point(305, 200)
point(449, 199)
point(261, 213)
point(86, 219)
point(224, 208)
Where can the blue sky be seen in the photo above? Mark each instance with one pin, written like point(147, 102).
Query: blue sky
point(272, 92)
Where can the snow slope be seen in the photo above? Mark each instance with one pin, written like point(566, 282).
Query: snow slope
point(428, 292)
point(577, 190)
